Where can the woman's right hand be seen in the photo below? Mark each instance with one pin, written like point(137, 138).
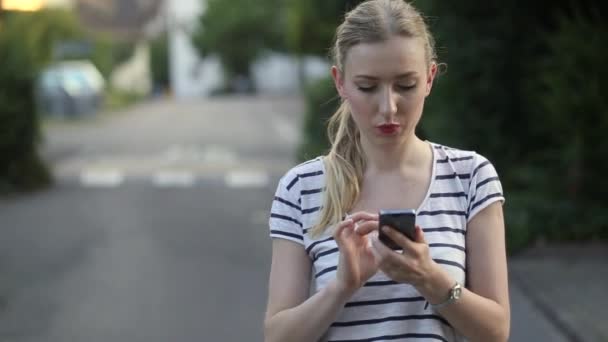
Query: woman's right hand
point(357, 262)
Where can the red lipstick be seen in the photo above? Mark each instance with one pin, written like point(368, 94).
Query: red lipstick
point(388, 129)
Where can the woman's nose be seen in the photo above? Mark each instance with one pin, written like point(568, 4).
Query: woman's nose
point(388, 103)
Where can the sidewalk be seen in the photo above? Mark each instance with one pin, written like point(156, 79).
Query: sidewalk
point(568, 284)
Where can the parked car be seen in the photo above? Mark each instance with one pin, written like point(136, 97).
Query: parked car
point(70, 89)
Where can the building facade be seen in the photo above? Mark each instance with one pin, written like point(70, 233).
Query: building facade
point(192, 76)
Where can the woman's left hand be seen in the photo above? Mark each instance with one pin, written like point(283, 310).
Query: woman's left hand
point(413, 266)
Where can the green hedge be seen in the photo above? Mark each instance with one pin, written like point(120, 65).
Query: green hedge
point(25, 45)
point(321, 102)
point(531, 103)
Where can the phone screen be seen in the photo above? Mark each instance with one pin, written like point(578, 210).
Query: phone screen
point(404, 221)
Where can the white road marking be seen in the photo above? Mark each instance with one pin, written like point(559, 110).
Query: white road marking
point(183, 153)
point(210, 154)
point(246, 179)
point(215, 154)
point(102, 178)
point(182, 179)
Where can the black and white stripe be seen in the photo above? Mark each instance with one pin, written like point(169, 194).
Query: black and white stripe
point(422, 337)
point(388, 319)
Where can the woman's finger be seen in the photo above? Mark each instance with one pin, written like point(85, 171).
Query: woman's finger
point(380, 248)
point(366, 227)
point(341, 226)
point(420, 235)
point(401, 240)
point(363, 216)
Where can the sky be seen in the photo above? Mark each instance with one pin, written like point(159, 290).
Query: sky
point(31, 5)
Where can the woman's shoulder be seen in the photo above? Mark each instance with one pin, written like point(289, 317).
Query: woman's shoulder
point(310, 168)
point(459, 160)
point(449, 154)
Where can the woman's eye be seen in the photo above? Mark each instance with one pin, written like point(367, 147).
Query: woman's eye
point(366, 89)
point(406, 87)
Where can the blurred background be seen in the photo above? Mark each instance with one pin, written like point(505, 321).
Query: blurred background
point(141, 142)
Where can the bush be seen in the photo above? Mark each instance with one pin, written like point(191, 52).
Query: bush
point(106, 52)
point(120, 99)
point(238, 32)
point(532, 103)
point(321, 102)
point(26, 45)
point(569, 102)
point(159, 62)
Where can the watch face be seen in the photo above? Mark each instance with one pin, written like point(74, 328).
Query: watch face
point(457, 292)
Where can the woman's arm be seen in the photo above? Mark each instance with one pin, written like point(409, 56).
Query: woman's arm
point(482, 313)
point(293, 317)
point(290, 315)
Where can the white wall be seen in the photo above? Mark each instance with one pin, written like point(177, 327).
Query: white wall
point(193, 77)
point(134, 75)
point(278, 73)
point(190, 75)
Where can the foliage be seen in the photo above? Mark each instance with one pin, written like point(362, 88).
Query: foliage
point(311, 24)
point(238, 32)
point(321, 102)
point(159, 61)
point(106, 52)
point(522, 87)
point(527, 99)
point(116, 99)
point(26, 43)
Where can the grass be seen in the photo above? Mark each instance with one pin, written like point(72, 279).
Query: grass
point(118, 99)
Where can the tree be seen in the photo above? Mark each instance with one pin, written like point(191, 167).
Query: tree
point(238, 32)
point(159, 61)
point(522, 87)
point(519, 90)
point(312, 24)
point(26, 45)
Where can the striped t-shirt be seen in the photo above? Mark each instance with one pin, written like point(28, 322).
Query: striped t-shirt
point(463, 183)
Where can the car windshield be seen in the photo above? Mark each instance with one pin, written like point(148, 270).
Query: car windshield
point(75, 81)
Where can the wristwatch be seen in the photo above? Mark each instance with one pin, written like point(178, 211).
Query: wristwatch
point(453, 296)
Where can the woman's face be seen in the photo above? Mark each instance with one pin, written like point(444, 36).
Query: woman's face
point(385, 85)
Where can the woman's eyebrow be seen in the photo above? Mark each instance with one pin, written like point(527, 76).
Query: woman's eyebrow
point(374, 78)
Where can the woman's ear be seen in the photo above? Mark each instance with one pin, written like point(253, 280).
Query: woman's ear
point(338, 81)
point(431, 77)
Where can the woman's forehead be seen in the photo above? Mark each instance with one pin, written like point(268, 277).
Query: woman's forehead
point(395, 57)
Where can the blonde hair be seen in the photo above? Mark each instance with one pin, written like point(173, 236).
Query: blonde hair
point(371, 21)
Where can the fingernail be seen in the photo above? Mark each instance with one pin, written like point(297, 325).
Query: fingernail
point(385, 229)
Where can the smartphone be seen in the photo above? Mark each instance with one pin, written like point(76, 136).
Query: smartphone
point(402, 220)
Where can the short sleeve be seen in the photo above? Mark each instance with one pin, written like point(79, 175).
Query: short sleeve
point(485, 187)
point(285, 214)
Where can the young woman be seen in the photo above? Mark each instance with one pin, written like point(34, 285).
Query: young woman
point(449, 283)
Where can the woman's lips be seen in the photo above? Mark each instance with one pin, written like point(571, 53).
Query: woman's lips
point(388, 129)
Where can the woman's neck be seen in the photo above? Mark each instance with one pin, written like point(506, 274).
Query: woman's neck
point(397, 158)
